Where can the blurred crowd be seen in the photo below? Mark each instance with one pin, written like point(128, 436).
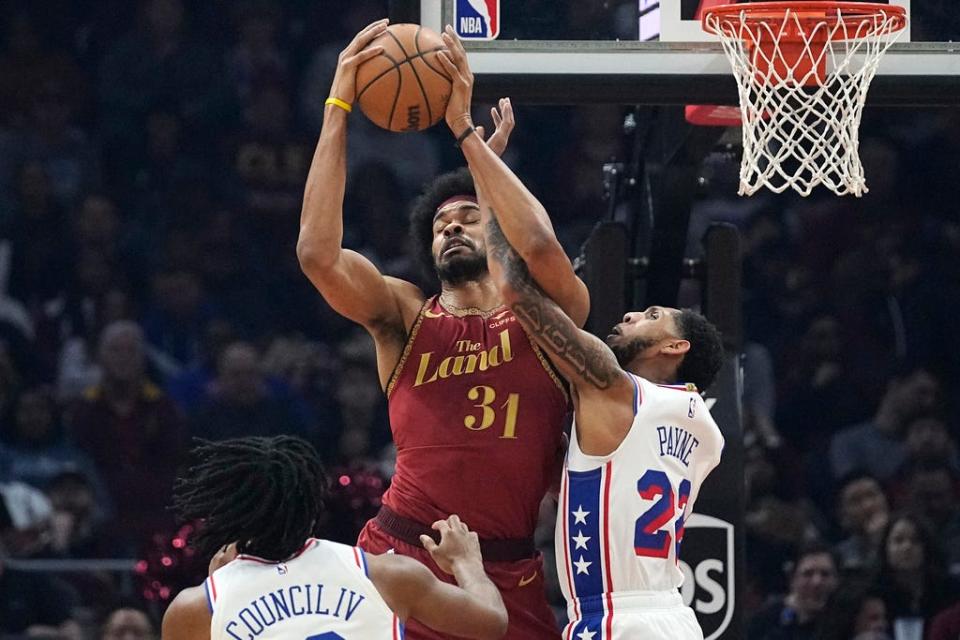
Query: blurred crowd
point(152, 162)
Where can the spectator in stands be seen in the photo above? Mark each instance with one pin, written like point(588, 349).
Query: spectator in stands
point(33, 448)
point(40, 261)
point(128, 623)
point(878, 444)
point(175, 318)
point(31, 604)
point(779, 518)
point(863, 513)
point(131, 429)
point(821, 395)
point(855, 612)
point(156, 61)
point(360, 402)
point(256, 57)
point(813, 579)
point(69, 157)
point(27, 63)
point(912, 573)
point(928, 440)
point(239, 401)
point(77, 518)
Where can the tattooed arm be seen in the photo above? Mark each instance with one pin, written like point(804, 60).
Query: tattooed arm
point(602, 391)
point(584, 360)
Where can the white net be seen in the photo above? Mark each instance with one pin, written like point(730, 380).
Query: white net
point(803, 82)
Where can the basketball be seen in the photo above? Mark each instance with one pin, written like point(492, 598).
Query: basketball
point(405, 88)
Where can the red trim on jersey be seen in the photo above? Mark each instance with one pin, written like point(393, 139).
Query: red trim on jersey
point(306, 546)
point(396, 627)
point(356, 558)
point(606, 546)
point(565, 491)
point(678, 387)
point(213, 588)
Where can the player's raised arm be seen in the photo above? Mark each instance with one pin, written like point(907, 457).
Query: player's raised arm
point(472, 609)
point(585, 361)
point(349, 282)
point(524, 220)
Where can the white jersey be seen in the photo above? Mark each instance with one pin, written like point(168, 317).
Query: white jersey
point(621, 515)
point(322, 593)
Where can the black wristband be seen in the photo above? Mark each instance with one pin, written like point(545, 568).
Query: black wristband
point(463, 136)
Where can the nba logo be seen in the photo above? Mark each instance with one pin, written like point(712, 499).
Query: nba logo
point(477, 19)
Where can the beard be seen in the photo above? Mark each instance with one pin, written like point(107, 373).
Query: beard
point(462, 268)
point(625, 352)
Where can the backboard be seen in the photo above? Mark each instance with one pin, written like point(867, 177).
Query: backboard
point(654, 52)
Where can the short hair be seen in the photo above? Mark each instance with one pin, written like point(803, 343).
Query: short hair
point(458, 182)
point(702, 362)
point(265, 494)
point(811, 548)
point(854, 475)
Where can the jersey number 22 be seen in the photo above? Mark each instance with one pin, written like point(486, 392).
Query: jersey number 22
point(650, 539)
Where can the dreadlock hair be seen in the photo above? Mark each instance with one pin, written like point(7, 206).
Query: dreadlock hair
point(458, 182)
point(702, 362)
point(265, 494)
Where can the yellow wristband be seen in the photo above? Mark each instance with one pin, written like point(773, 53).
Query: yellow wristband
point(337, 102)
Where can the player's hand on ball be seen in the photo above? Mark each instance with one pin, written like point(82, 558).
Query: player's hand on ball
point(457, 544)
point(503, 123)
point(225, 555)
point(454, 61)
point(356, 53)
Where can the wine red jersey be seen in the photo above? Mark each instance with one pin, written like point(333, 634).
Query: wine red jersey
point(477, 414)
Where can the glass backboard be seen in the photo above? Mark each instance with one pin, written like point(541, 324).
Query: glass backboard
point(654, 52)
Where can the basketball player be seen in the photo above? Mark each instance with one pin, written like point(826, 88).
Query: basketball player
point(477, 412)
point(277, 581)
point(641, 445)
point(640, 450)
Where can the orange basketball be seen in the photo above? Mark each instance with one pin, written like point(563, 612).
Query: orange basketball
point(405, 88)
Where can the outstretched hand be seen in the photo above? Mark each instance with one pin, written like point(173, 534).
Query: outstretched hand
point(503, 123)
point(356, 53)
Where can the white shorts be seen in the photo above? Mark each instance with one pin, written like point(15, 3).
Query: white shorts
point(632, 615)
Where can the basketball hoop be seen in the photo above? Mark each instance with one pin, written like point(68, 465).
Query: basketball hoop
point(803, 70)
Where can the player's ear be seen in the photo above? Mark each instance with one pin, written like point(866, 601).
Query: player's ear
point(676, 347)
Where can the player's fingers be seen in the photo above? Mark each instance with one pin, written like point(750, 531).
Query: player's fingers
point(457, 52)
point(366, 34)
point(454, 521)
point(441, 526)
point(507, 110)
point(428, 543)
point(458, 43)
point(496, 117)
point(377, 26)
point(451, 68)
point(481, 132)
point(363, 56)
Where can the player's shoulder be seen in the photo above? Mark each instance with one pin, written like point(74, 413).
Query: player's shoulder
point(409, 300)
point(188, 616)
point(405, 291)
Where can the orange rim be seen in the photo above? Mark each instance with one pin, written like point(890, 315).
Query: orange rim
point(808, 13)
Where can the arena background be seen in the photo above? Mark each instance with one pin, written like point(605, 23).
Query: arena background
point(152, 162)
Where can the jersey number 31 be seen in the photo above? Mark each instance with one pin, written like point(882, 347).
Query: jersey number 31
point(651, 540)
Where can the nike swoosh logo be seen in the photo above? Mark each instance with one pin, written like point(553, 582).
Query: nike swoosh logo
point(525, 581)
